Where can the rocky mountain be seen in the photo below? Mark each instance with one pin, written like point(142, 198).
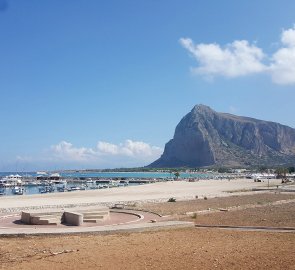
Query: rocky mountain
point(205, 137)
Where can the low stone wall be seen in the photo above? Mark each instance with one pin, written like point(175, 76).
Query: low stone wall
point(75, 217)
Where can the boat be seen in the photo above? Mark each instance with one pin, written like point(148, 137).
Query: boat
point(61, 189)
point(18, 190)
point(43, 190)
point(46, 189)
point(54, 176)
point(31, 183)
point(114, 183)
point(95, 187)
point(75, 188)
point(11, 180)
point(89, 181)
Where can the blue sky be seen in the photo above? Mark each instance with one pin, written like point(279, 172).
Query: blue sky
point(102, 84)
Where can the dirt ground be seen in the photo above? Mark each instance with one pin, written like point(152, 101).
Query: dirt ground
point(274, 216)
point(181, 207)
point(189, 248)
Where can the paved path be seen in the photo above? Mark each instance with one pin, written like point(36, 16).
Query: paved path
point(97, 229)
point(248, 228)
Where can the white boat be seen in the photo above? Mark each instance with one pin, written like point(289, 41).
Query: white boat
point(32, 183)
point(13, 177)
point(114, 183)
point(55, 175)
point(18, 190)
point(89, 181)
point(11, 180)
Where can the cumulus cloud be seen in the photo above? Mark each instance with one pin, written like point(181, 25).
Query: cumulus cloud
point(240, 58)
point(65, 155)
point(129, 150)
point(66, 151)
point(283, 61)
point(236, 59)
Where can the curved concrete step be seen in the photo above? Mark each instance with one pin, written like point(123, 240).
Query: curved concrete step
point(89, 220)
point(94, 217)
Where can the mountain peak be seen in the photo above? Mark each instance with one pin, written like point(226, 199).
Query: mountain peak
point(201, 108)
point(205, 137)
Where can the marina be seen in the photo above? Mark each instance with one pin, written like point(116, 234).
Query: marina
point(41, 183)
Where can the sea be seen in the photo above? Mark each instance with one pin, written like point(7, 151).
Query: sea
point(114, 174)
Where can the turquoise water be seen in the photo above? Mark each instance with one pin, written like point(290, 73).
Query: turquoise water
point(115, 174)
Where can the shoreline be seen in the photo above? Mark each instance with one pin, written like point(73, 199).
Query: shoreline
point(155, 192)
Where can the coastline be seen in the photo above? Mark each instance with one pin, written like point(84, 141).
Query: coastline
point(155, 192)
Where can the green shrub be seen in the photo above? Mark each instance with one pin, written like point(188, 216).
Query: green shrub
point(194, 215)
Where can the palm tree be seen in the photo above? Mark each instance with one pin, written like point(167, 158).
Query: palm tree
point(176, 174)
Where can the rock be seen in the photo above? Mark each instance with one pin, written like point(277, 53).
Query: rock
point(205, 137)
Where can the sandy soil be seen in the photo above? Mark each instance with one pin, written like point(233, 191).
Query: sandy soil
point(275, 216)
point(156, 191)
point(167, 249)
point(181, 207)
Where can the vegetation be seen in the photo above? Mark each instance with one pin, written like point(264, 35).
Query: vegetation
point(281, 172)
point(172, 199)
point(224, 170)
point(176, 174)
point(194, 215)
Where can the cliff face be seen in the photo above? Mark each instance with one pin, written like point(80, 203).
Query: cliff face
point(204, 137)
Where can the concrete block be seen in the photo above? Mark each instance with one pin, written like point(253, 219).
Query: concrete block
point(26, 217)
point(73, 218)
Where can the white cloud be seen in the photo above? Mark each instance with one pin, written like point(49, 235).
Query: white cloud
point(129, 148)
point(288, 37)
point(65, 155)
point(283, 61)
point(236, 59)
point(66, 151)
point(240, 58)
point(123, 154)
point(107, 148)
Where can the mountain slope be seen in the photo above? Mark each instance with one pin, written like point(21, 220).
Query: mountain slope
point(204, 137)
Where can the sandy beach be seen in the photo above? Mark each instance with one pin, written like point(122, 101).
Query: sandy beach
point(156, 192)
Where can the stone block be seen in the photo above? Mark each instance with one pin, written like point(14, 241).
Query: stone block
point(73, 218)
